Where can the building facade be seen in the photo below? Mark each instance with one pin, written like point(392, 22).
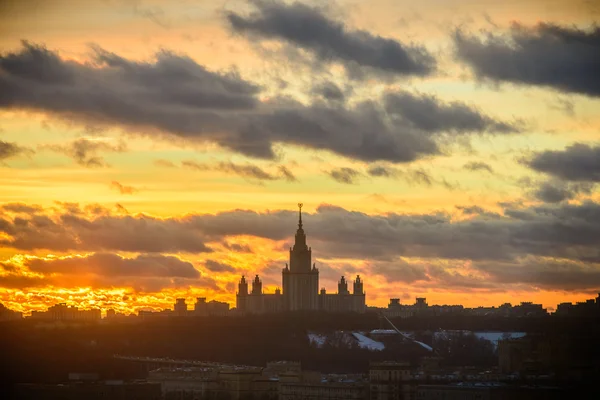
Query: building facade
point(300, 284)
point(62, 312)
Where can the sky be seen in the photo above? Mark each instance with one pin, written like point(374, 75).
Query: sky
point(444, 149)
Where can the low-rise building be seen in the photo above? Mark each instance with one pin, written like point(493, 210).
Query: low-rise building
point(391, 380)
point(7, 314)
point(62, 312)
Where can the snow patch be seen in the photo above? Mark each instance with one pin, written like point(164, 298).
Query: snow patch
point(494, 337)
point(316, 339)
point(425, 346)
point(368, 343)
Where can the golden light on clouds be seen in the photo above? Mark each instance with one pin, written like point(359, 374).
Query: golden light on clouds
point(151, 150)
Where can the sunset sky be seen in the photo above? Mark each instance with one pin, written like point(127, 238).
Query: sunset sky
point(150, 150)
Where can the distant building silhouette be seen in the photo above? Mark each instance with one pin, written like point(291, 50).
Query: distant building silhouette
point(300, 281)
point(7, 314)
point(62, 312)
point(590, 308)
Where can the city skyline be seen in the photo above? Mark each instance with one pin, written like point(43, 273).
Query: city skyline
point(154, 150)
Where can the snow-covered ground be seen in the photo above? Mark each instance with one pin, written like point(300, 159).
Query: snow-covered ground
point(317, 339)
point(368, 343)
point(492, 337)
point(425, 346)
point(495, 336)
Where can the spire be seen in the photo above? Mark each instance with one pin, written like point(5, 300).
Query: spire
point(300, 242)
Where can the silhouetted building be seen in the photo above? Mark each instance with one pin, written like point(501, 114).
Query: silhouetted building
point(7, 314)
point(300, 281)
point(180, 309)
point(62, 312)
point(391, 380)
point(211, 308)
point(588, 308)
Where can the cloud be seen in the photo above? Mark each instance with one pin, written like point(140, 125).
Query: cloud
point(329, 91)
point(545, 273)
point(10, 150)
point(85, 152)
point(428, 113)
point(563, 58)
point(557, 191)
point(578, 162)
point(344, 175)
point(478, 166)
point(552, 234)
point(80, 231)
point(164, 163)
point(419, 176)
point(563, 230)
point(144, 272)
point(144, 265)
point(287, 174)
point(122, 188)
point(172, 95)
point(383, 171)
point(237, 247)
point(21, 208)
point(330, 40)
point(153, 14)
point(216, 266)
point(398, 271)
point(248, 171)
point(476, 210)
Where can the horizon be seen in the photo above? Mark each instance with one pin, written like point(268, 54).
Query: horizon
point(154, 150)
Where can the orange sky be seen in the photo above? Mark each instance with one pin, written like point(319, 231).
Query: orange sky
point(151, 150)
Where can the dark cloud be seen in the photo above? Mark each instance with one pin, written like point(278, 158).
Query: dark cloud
point(21, 208)
point(345, 175)
point(476, 210)
point(428, 113)
point(329, 91)
point(557, 231)
point(330, 40)
point(553, 193)
point(548, 274)
point(419, 176)
point(173, 95)
point(78, 231)
point(564, 58)
point(398, 271)
point(153, 14)
point(237, 247)
point(216, 266)
point(412, 176)
point(578, 162)
point(143, 273)
point(123, 189)
point(10, 150)
point(248, 171)
point(478, 166)
point(144, 265)
point(86, 152)
point(382, 171)
point(164, 163)
point(287, 174)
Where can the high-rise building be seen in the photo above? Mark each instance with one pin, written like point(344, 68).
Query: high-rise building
point(300, 284)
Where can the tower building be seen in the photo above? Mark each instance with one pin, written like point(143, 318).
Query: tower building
point(300, 280)
point(300, 286)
